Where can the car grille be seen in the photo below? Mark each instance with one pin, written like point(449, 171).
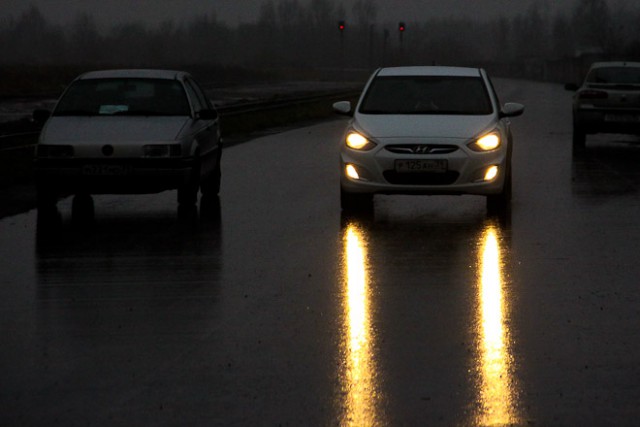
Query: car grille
point(446, 178)
point(421, 149)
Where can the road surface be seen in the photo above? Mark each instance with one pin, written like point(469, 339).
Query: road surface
point(271, 309)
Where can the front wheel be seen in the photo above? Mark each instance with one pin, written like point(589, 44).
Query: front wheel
point(501, 202)
point(211, 184)
point(82, 210)
point(356, 202)
point(188, 191)
point(579, 139)
point(46, 197)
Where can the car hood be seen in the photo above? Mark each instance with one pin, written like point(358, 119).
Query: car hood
point(421, 126)
point(112, 129)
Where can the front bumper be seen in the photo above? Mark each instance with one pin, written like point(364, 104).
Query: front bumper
point(113, 176)
point(464, 174)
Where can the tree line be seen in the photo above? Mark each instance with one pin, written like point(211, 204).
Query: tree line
point(292, 35)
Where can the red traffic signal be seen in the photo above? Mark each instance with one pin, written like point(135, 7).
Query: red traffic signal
point(401, 27)
point(341, 25)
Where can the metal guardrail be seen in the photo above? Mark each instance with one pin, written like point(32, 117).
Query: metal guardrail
point(16, 141)
point(228, 110)
point(232, 109)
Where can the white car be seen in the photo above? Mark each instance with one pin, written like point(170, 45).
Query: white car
point(427, 130)
point(128, 132)
point(607, 102)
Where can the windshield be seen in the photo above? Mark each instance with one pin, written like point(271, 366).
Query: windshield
point(124, 96)
point(427, 95)
point(616, 75)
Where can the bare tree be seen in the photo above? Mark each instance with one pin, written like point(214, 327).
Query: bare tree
point(592, 23)
point(85, 39)
point(267, 16)
point(289, 13)
point(321, 12)
point(365, 12)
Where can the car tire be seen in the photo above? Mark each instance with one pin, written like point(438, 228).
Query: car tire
point(501, 202)
point(579, 139)
point(82, 210)
point(48, 216)
point(356, 202)
point(188, 191)
point(46, 197)
point(211, 184)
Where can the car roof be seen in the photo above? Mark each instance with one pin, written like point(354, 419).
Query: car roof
point(135, 73)
point(429, 71)
point(614, 64)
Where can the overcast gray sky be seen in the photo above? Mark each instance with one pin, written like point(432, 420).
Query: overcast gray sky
point(234, 11)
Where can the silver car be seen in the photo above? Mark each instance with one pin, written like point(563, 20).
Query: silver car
point(427, 130)
point(607, 102)
point(128, 132)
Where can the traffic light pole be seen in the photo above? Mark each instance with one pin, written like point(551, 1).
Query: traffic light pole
point(342, 27)
point(401, 29)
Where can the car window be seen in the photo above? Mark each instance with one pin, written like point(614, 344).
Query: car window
point(196, 98)
point(192, 85)
point(618, 75)
point(124, 96)
point(427, 95)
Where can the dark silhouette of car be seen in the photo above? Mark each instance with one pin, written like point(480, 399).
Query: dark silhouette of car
point(608, 101)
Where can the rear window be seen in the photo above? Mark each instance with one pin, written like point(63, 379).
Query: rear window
point(134, 97)
point(427, 95)
point(617, 75)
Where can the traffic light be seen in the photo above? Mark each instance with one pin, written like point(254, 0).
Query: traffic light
point(401, 27)
point(341, 26)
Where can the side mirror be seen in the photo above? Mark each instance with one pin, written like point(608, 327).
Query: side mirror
point(343, 108)
point(207, 115)
point(512, 109)
point(572, 87)
point(41, 116)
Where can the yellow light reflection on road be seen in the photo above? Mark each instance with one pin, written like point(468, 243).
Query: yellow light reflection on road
point(497, 391)
point(359, 389)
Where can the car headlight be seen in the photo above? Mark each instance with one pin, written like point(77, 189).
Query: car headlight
point(351, 171)
point(491, 173)
point(162, 150)
point(356, 141)
point(489, 142)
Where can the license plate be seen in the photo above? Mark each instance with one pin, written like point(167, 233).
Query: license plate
point(106, 170)
point(622, 118)
point(421, 166)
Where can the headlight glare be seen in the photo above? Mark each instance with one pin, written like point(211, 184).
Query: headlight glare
point(491, 173)
point(358, 142)
point(351, 171)
point(488, 142)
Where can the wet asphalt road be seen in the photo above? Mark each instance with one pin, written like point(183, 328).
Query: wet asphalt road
point(270, 309)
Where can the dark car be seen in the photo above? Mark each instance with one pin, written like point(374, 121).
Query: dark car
point(607, 102)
